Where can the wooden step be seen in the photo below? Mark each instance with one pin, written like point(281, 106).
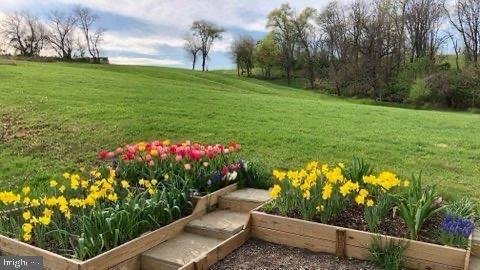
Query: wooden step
point(178, 251)
point(243, 200)
point(220, 224)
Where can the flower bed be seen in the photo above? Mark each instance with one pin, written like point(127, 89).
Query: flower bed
point(145, 188)
point(308, 203)
point(207, 167)
point(125, 256)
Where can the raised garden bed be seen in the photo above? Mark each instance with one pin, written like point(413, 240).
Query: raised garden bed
point(342, 241)
point(125, 256)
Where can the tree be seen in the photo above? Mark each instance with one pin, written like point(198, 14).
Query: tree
point(207, 33)
point(86, 20)
point(24, 33)
point(465, 19)
point(242, 54)
point(423, 19)
point(283, 29)
point(266, 55)
point(192, 47)
point(62, 27)
point(307, 37)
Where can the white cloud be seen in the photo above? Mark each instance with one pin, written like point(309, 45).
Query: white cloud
point(122, 60)
point(114, 41)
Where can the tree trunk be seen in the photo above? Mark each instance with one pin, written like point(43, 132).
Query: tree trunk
point(194, 61)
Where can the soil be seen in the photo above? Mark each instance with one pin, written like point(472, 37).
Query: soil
point(257, 254)
point(393, 225)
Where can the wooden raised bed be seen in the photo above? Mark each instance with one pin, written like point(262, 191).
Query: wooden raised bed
point(123, 257)
point(341, 241)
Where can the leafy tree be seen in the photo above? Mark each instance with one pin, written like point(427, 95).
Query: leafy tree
point(266, 55)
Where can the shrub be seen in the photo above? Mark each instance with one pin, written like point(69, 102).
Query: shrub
point(419, 94)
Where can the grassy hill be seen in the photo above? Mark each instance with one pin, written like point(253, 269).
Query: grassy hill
point(57, 116)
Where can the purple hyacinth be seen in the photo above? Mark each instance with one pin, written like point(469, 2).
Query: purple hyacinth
point(457, 226)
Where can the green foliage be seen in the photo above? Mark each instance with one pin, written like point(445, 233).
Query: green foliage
point(374, 214)
point(464, 207)
point(266, 55)
point(419, 94)
point(453, 240)
point(357, 169)
point(254, 175)
point(416, 205)
point(389, 255)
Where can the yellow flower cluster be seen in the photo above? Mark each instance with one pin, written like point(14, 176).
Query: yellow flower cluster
point(67, 195)
point(302, 179)
point(386, 180)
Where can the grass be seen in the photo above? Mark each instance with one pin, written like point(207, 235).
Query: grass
point(55, 117)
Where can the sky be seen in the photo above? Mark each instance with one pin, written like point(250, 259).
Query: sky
point(151, 32)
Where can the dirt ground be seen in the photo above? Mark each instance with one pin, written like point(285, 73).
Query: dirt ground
point(257, 254)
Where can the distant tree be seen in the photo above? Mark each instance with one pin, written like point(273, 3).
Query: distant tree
point(207, 33)
point(85, 21)
point(25, 33)
point(464, 17)
point(266, 55)
point(192, 47)
point(242, 54)
point(283, 29)
point(305, 32)
point(61, 37)
point(423, 19)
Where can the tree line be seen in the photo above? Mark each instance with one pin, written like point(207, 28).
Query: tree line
point(388, 50)
point(70, 34)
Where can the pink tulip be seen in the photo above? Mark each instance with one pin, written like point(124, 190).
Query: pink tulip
point(163, 156)
point(178, 158)
point(187, 166)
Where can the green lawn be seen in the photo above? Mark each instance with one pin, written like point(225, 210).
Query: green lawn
point(57, 116)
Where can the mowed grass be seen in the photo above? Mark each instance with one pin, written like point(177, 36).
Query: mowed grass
point(55, 117)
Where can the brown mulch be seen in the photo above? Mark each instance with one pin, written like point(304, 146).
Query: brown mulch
point(392, 225)
point(257, 254)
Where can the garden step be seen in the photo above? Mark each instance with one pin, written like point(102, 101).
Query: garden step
point(177, 251)
point(243, 200)
point(220, 224)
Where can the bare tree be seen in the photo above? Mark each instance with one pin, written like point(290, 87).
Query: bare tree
point(423, 19)
point(207, 33)
point(24, 33)
point(465, 19)
point(242, 54)
point(456, 48)
point(192, 47)
point(86, 20)
point(280, 21)
point(62, 27)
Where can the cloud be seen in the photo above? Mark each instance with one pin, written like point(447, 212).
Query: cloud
point(115, 41)
point(123, 60)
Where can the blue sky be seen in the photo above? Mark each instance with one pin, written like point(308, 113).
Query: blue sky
point(150, 32)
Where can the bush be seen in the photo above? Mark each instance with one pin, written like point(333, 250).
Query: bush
point(419, 94)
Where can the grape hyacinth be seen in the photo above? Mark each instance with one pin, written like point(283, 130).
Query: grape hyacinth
point(457, 226)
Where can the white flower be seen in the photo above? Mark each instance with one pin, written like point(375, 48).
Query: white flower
point(232, 176)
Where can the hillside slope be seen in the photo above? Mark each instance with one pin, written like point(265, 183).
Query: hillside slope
point(56, 116)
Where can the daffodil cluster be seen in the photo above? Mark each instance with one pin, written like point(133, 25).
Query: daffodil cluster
point(70, 199)
point(324, 191)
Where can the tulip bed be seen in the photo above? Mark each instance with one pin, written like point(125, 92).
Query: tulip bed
point(354, 196)
point(137, 188)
